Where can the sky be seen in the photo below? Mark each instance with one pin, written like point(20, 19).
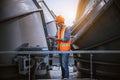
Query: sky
point(66, 8)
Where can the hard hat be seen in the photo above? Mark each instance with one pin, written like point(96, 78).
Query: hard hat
point(59, 19)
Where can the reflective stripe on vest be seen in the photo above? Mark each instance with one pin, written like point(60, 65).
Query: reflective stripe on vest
point(63, 44)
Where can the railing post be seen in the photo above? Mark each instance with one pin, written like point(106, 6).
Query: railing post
point(91, 66)
point(29, 65)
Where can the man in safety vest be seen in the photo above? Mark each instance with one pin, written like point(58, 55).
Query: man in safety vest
point(63, 42)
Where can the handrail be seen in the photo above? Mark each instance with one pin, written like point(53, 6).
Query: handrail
point(61, 52)
point(91, 52)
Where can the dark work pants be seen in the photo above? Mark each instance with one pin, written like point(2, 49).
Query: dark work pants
point(64, 65)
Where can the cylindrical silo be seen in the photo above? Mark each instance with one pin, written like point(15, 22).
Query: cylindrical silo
point(20, 22)
point(100, 32)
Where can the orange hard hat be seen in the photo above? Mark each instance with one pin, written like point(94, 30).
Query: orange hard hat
point(59, 19)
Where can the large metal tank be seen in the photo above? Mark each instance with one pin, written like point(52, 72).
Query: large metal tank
point(20, 22)
point(51, 27)
point(101, 31)
point(49, 18)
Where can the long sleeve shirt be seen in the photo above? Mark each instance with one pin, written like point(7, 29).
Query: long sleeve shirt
point(66, 35)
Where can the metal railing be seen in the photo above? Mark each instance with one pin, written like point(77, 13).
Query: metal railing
point(91, 52)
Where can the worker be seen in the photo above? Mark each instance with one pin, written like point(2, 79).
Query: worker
point(63, 42)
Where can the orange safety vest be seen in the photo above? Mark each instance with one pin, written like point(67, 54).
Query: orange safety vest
point(63, 46)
